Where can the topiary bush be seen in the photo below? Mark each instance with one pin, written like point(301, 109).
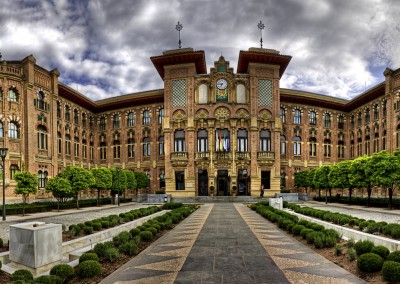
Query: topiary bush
point(381, 251)
point(394, 256)
point(100, 248)
point(97, 226)
point(49, 279)
point(338, 250)
point(330, 241)
point(391, 271)
point(105, 224)
point(89, 268)
point(129, 248)
point(88, 230)
point(146, 235)
point(63, 270)
point(121, 238)
point(88, 256)
point(318, 242)
point(1, 243)
point(369, 262)
point(22, 275)
point(135, 232)
point(296, 230)
point(111, 254)
point(351, 254)
point(152, 230)
point(364, 246)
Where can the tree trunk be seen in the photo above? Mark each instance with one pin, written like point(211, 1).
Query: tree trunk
point(98, 197)
point(369, 191)
point(77, 201)
point(390, 196)
point(319, 194)
point(350, 193)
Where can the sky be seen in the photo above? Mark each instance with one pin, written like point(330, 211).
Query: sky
point(102, 48)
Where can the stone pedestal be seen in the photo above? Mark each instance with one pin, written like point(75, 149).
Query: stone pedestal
point(35, 245)
point(277, 203)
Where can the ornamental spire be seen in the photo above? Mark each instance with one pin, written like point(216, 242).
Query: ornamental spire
point(261, 26)
point(179, 27)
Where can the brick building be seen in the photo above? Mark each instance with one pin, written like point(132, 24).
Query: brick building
point(217, 133)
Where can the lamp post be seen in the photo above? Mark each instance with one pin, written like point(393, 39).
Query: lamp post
point(326, 189)
point(3, 154)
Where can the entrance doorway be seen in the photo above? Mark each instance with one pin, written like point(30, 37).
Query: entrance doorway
point(202, 178)
point(222, 183)
point(243, 182)
point(266, 179)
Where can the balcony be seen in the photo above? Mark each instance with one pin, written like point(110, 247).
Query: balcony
point(179, 159)
point(265, 158)
point(223, 155)
point(202, 156)
point(243, 155)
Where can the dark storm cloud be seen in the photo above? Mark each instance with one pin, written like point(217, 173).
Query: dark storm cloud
point(102, 48)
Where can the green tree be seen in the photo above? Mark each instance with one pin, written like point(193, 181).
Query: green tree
point(60, 188)
point(300, 179)
point(310, 180)
point(360, 175)
point(142, 180)
point(385, 172)
point(131, 182)
point(102, 180)
point(118, 182)
point(79, 179)
point(339, 176)
point(321, 179)
point(27, 183)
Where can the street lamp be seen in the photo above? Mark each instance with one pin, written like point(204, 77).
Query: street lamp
point(3, 154)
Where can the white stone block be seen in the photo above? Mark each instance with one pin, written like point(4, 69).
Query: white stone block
point(276, 203)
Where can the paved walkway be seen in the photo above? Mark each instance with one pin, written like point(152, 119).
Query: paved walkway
point(229, 243)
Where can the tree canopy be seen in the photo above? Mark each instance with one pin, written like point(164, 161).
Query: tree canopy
point(27, 183)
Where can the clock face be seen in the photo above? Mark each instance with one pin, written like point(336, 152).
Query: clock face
point(222, 84)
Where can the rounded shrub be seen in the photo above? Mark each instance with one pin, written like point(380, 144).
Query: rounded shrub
point(152, 230)
point(395, 232)
point(49, 279)
point(146, 235)
point(354, 222)
point(318, 242)
point(121, 238)
point(394, 256)
point(105, 224)
point(22, 275)
point(1, 264)
point(135, 232)
point(88, 230)
point(88, 256)
point(369, 262)
point(316, 227)
point(296, 230)
point(100, 248)
point(330, 241)
point(332, 233)
point(89, 268)
point(1, 243)
point(391, 271)
point(168, 224)
point(305, 232)
point(89, 223)
point(63, 270)
point(381, 251)
point(364, 246)
point(97, 226)
point(111, 254)
point(129, 248)
point(362, 225)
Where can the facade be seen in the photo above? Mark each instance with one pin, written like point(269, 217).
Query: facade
point(218, 133)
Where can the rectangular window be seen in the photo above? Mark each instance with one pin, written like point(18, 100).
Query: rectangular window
point(180, 180)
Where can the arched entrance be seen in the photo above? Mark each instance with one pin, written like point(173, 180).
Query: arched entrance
point(222, 183)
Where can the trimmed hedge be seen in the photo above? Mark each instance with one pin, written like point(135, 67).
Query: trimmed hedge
point(391, 271)
point(88, 256)
point(49, 279)
point(22, 275)
point(89, 268)
point(63, 270)
point(363, 247)
point(369, 262)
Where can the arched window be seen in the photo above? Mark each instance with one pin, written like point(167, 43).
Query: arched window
point(102, 125)
point(282, 114)
point(240, 94)
point(84, 119)
point(202, 140)
point(146, 117)
point(203, 94)
point(59, 142)
point(42, 137)
point(327, 120)
point(242, 145)
point(340, 122)
point(367, 115)
point(283, 179)
point(146, 147)
point(161, 116)
point(161, 146)
point(117, 149)
point(313, 118)
point(359, 146)
point(352, 151)
point(58, 110)
point(313, 147)
point(367, 144)
point(359, 119)
point(376, 111)
point(327, 148)
point(76, 147)
point(352, 121)
point(84, 148)
point(67, 144)
point(131, 148)
point(297, 146)
point(13, 130)
point(76, 116)
point(179, 141)
point(297, 116)
point(67, 115)
point(131, 119)
point(385, 108)
point(1, 94)
point(398, 137)
point(103, 150)
point(13, 170)
point(384, 140)
point(91, 149)
point(116, 121)
point(41, 104)
point(283, 145)
point(162, 179)
point(1, 129)
point(376, 142)
point(341, 150)
point(12, 95)
point(42, 178)
point(265, 140)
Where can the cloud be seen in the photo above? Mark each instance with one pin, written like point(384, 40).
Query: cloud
point(103, 47)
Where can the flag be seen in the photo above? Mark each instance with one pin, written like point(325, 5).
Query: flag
point(220, 141)
point(224, 142)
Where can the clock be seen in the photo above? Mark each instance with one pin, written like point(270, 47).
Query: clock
point(222, 84)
